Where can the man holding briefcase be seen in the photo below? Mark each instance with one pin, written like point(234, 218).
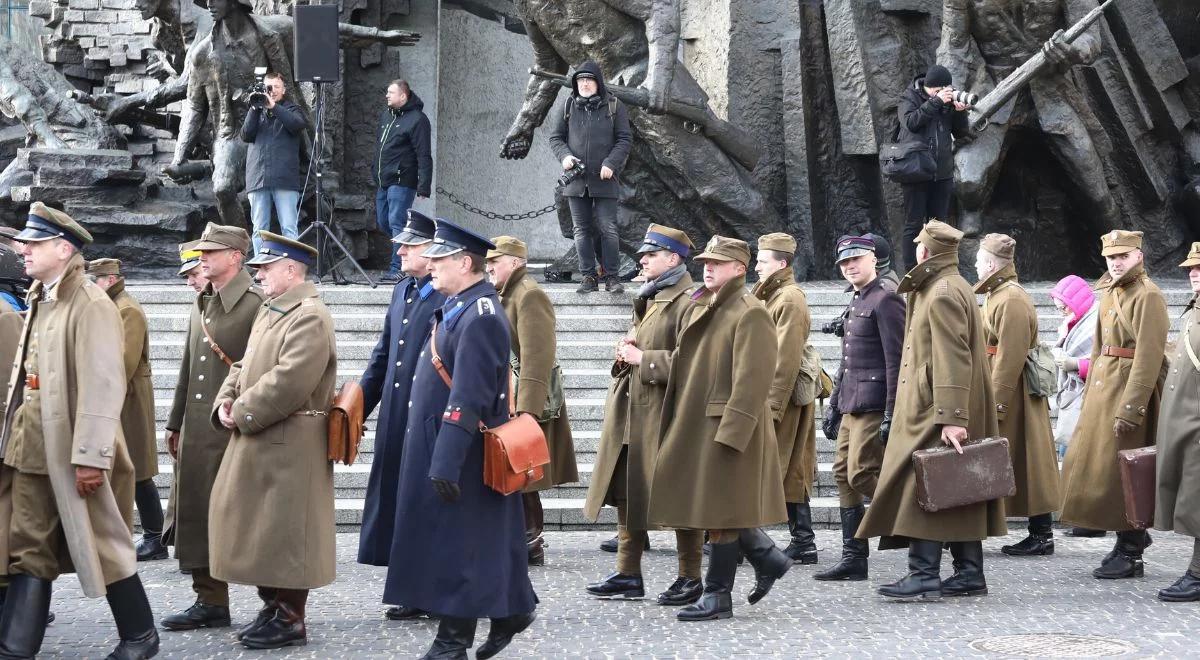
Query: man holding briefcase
point(944, 396)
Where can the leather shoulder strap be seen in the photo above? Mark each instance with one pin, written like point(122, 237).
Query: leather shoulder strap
point(1121, 313)
point(212, 343)
point(440, 367)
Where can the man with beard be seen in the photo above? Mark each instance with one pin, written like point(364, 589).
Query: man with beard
point(632, 417)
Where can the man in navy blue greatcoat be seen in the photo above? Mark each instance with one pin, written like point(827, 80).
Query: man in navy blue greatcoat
point(387, 382)
point(460, 546)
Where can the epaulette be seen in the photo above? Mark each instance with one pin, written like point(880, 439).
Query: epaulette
point(942, 288)
point(277, 310)
point(485, 307)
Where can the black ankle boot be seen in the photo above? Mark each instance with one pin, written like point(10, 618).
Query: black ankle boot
point(853, 566)
point(683, 591)
point(717, 601)
point(199, 615)
point(135, 622)
point(1040, 541)
point(454, 637)
point(150, 547)
point(502, 633)
point(923, 580)
point(1185, 590)
point(287, 627)
point(269, 608)
point(968, 577)
point(1125, 561)
point(803, 547)
point(768, 561)
point(23, 623)
point(618, 585)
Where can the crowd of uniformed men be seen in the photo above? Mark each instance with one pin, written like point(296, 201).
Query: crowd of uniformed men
point(696, 437)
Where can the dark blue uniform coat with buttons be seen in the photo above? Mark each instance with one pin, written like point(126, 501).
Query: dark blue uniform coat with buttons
point(468, 558)
point(387, 382)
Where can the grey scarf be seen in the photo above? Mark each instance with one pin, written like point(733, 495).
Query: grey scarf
point(664, 281)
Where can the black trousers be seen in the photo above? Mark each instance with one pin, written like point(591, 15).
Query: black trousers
point(923, 202)
point(145, 496)
point(595, 227)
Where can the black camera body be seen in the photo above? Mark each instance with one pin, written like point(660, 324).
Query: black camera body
point(258, 91)
point(836, 327)
point(571, 174)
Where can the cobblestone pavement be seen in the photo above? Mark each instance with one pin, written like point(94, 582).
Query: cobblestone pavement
point(801, 617)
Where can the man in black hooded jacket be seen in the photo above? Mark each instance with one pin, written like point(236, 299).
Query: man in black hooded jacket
point(928, 113)
point(403, 165)
point(592, 128)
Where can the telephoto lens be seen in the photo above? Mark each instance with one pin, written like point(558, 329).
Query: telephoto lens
point(966, 98)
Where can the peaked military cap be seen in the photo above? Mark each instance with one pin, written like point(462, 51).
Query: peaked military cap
point(102, 267)
point(849, 247)
point(662, 237)
point(777, 242)
point(1193, 257)
point(189, 256)
point(508, 246)
point(223, 237)
point(720, 248)
point(1119, 241)
point(8, 232)
point(275, 247)
point(45, 223)
point(451, 239)
point(1001, 245)
point(417, 231)
point(939, 237)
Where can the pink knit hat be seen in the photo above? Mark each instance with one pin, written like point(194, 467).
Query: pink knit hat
point(1074, 292)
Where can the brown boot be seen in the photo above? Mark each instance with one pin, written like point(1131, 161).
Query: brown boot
point(534, 525)
point(287, 626)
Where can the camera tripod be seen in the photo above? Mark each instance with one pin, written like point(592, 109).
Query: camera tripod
point(326, 266)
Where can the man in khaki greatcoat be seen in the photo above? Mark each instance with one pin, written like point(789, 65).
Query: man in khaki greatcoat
point(718, 463)
point(61, 440)
point(1010, 325)
point(534, 349)
point(137, 416)
point(218, 328)
point(1177, 506)
point(276, 401)
point(1120, 401)
point(795, 424)
point(632, 413)
point(944, 397)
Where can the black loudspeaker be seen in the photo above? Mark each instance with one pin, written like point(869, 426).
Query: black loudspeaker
point(316, 43)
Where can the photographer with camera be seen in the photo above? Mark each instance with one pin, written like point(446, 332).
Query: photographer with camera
point(403, 165)
point(274, 127)
point(933, 112)
point(591, 137)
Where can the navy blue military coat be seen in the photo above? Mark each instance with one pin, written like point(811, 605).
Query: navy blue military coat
point(387, 382)
point(468, 558)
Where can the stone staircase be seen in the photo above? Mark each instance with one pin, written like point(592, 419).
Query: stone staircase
point(588, 329)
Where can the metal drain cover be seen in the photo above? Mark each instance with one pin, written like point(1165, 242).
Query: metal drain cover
point(1054, 645)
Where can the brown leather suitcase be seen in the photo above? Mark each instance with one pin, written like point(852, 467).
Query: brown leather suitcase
point(1138, 483)
point(946, 479)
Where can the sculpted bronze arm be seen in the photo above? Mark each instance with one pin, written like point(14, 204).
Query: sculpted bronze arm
point(17, 101)
point(194, 114)
point(360, 36)
point(662, 34)
point(539, 96)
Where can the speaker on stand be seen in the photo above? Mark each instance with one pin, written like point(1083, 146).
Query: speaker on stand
point(316, 50)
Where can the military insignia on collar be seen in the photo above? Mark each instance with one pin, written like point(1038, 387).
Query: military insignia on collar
point(485, 306)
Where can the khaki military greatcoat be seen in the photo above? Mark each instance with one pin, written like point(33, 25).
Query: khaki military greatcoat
point(1132, 316)
point(1178, 504)
point(718, 461)
point(531, 321)
point(137, 417)
point(944, 380)
point(633, 409)
point(272, 506)
point(82, 392)
point(795, 426)
point(10, 337)
point(1010, 325)
point(228, 315)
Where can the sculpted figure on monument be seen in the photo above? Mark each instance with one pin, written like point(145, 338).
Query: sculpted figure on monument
point(676, 173)
point(221, 71)
point(985, 40)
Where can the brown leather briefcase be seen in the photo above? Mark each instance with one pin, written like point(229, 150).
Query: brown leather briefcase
point(946, 479)
point(1138, 483)
point(346, 424)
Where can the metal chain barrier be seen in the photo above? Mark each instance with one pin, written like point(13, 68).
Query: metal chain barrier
point(492, 215)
